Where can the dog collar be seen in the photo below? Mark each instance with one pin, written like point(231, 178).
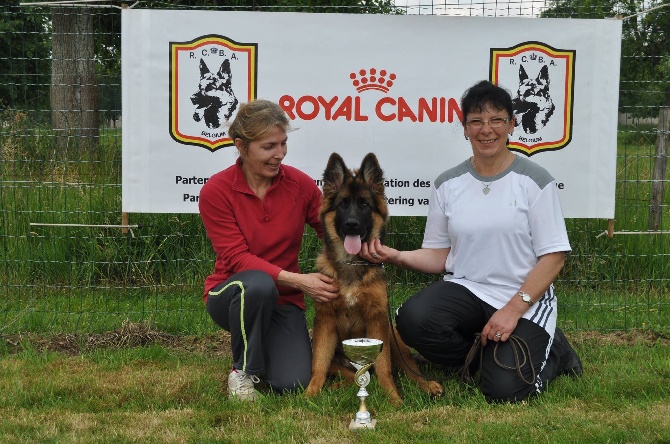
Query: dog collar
point(362, 263)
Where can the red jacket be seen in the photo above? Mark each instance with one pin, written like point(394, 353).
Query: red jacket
point(250, 234)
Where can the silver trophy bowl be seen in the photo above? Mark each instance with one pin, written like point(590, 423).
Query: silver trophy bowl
point(362, 351)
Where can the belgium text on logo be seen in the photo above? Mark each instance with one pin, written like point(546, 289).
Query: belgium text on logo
point(209, 78)
point(542, 82)
point(386, 109)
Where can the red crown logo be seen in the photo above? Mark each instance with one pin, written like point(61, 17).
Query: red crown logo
point(381, 81)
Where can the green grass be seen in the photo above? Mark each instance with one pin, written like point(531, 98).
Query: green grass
point(56, 281)
point(179, 309)
point(74, 279)
point(165, 393)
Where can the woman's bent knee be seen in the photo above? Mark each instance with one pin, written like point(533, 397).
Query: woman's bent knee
point(289, 385)
point(256, 281)
point(408, 319)
point(508, 386)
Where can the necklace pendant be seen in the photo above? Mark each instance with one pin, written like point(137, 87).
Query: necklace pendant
point(486, 190)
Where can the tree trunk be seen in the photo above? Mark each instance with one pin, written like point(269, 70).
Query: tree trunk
point(659, 172)
point(74, 92)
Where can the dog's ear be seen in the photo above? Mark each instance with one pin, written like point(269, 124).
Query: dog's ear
point(335, 173)
point(371, 172)
point(543, 76)
point(522, 74)
point(225, 73)
point(203, 68)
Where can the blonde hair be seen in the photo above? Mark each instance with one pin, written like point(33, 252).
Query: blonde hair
point(254, 119)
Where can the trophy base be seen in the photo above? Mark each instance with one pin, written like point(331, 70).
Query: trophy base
point(353, 425)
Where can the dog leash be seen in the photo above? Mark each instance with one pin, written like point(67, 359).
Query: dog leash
point(521, 358)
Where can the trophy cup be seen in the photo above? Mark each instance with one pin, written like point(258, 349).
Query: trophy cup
point(362, 353)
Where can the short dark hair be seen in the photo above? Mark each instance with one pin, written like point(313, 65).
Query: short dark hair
point(483, 94)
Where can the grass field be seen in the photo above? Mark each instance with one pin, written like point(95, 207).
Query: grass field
point(137, 385)
point(104, 337)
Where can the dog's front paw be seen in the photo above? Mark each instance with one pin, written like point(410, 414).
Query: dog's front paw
point(435, 389)
point(311, 390)
point(395, 399)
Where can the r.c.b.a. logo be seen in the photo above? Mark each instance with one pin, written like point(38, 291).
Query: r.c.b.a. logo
point(541, 80)
point(209, 77)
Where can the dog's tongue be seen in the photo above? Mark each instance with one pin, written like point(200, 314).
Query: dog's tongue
point(352, 244)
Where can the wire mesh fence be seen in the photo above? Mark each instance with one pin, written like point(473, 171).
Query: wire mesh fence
point(69, 261)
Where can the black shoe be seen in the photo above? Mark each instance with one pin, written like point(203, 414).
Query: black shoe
point(573, 365)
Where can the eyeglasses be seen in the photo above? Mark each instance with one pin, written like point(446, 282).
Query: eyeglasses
point(477, 124)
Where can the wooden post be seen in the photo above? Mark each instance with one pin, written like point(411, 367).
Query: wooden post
point(610, 228)
point(660, 167)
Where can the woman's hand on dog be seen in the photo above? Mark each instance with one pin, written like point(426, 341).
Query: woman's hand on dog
point(425, 260)
point(318, 286)
point(374, 251)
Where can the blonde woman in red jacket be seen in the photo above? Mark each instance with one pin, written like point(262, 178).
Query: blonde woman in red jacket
point(255, 213)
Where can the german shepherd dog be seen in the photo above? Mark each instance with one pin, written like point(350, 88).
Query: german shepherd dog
point(353, 211)
point(533, 105)
point(214, 100)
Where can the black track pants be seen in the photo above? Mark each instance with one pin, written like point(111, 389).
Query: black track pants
point(441, 321)
point(267, 338)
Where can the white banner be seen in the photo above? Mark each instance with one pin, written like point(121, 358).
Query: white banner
point(355, 84)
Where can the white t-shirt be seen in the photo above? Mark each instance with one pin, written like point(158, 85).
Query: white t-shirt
point(496, 239)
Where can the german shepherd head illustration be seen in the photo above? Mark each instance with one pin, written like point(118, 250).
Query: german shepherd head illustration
point(533, 105)
point(215, 100)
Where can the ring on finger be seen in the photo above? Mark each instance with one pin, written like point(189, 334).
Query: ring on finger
point(375, 255)
point(498, 335)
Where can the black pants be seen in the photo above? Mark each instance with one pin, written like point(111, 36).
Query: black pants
point(441, 321)
point(267, 338)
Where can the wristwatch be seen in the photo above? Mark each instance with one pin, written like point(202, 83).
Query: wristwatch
point(526, 298)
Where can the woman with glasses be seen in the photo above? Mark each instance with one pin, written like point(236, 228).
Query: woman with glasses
point(495, 229)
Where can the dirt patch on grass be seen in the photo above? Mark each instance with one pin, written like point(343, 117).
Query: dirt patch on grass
point(632, 337)
point(129, 335)
point(139, 334)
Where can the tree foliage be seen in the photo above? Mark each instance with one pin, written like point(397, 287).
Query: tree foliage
point(645, 48)
point(339, 6)
point(24, 56)
point(26, 43)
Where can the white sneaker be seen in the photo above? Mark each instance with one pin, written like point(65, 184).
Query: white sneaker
point(241, 385)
